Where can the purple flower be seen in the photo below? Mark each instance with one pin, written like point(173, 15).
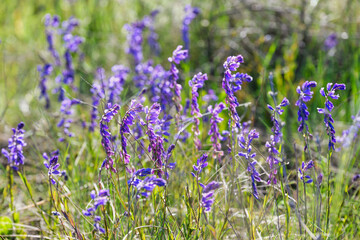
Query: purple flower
point(232, 83)
point(214, 128)
point(51, 163)
point(330, 42)
point(146, 186)
point(196, 83)
point(349, 135)
point(44, 71)
point(328, 120)
point(108, 115)
point(201, 163)
point(14, 154)
point(134, 109)
point(153, 36)
point(98, 92)
point(98, 200)
point(190, 14)
point(210, 96)
point(207, 196)
point(65, 120)
point(135, 39)
point(305, 96)
point(304, 168)
point(272, 159)
point(116, 82)
point(51, 24)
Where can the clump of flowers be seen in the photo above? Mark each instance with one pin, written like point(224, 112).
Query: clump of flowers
point(201, 163)
point(14, 153)
point(305, 96)
point(144, 187)
point(98, 200)
point(328, 120)
point(51, 163)
point(207, 196)
point(245, 144)
point(190, 15)
point(304, 168)
point(214, 128)
point(275, 138)
point(44, 71)
point(66, 112)
point(196, 83)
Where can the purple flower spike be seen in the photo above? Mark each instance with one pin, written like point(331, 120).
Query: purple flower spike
point(214, 128)
point(51, 163)
point(304, 168)
point(232, 83)
point(330, 42)
point(328, 120)
point(44, 71)
point(305, 96)
point(201, 163)
point(208, 198)
point(190, 15)
point(14, 154)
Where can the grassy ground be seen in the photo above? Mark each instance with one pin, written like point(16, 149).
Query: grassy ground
point(285, 38)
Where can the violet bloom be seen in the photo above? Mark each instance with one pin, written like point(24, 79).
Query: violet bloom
point(116, 83)
point(349, 135)
point(146, 186)
point(190, 15)
point(134, 109)
point(245, 143)
point(214, 128)
point(201, 163)
point(210, 96)
point(44, 71)
point(232, 83)
point(98, 200)
point(51, 25)
point(153, 36)
point(66, 112)
point(305, 96)
point(330, 42)
point(275, 138)
point(51, 163)
point(178, 56)
point(14, 153)
point(207, 196)
point(196, 83)
point(328, 120)
point(304, 168)
point(109, 114)
point(135, 40)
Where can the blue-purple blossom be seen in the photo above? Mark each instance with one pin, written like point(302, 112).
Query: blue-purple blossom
point(210, 96)
point(134, 109)
point(44, 71)
point(135, 40)
point(51, 163)
point(244, 142)
point(116, 82)
point(190, 15)
point(14, 153)
point(66, 112)
point(305, 96)
point(232, 83)
point(201, 163)
point(97, 91)
point(214, 128)
point(330, 42)
point(99, 199)
point(196, 83)
point(275, 138)
point(207, 196)
point(304, 168)
point(153, 36)
point(108, 115)
point(349, 135)
point(145, 186)
point(328, 120)
point(51, 25)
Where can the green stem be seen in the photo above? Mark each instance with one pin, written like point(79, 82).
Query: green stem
point(11, 183)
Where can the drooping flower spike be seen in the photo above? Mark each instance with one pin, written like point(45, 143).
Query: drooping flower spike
point(305, 95)
point(51, 163)
point(214, 128)
point(207, 196)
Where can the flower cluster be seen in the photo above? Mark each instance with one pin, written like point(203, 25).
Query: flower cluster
point(245, 143)
point(303, 169)
point(128, 120)
point(147, 185)
point(207, 196)
point(66, 112)
point(330, 42)
point(305, 96)
point(98, 93)
point(14, 154)
point(349, 135)
point(232, 83)
point(109, 114)
point(51, 24)
point(51, 163)
point(275, 138)
point(190, 15)
point(214, 128)
point(99, 200)
point(196, 83)
point(44, 71)
point(328, 120)
point(201, 163)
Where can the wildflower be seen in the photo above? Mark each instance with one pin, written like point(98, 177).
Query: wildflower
point(330, 42)
point(196, 83)
point(109, 114)
point(201, 163)
point(127, 121)
point(304, 168)
point(210, 96)
point(51, 163)
point(99, 199)
point(232, 83)
point(44, 72)
point(207, 196)
point(349, 135)
point(328, 120)
point(190, 15)
point(145, 186)
point(153, 37)
point(51, 24)
point(305, 96)
point(14, 154)
point(272, 159)
point(98, 92)
point(245, 144)
point(66, 112)
point(214, 128)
